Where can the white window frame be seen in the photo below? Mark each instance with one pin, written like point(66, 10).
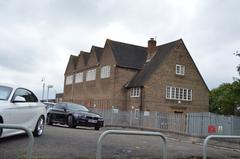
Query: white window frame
point(176, 93)
point(136, 113)
point(180, 69)
point(79, 77)
point(91, 75)
point(135, 92)
point(69, 79)
point(105, 71)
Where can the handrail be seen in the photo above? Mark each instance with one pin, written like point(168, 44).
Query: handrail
point(215, 136)
point(29, 133)
point(121, 132)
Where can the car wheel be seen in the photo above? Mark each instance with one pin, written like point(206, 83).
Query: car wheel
point(49, 120)
point(1, 129)
point(97, 128)
point(70, 122)
point(39, 127)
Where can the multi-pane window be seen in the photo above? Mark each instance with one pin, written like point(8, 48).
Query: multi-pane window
point(79, 77)
point(69, 79)
point(105, 71)
point(91, 75)
point(135, 92)
point(175, 93)
point(180, 69)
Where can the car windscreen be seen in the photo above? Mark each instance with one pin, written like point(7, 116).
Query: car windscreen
point(77, 107)
point(5, 92)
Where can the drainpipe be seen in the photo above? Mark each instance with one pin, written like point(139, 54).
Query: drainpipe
point(141, 107)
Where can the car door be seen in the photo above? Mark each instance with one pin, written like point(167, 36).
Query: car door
point(59, 112)
point(23, 111)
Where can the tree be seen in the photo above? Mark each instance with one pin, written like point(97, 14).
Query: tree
point(226, 98)
point(238, 67)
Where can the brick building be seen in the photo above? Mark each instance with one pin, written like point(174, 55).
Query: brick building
point(160, 78)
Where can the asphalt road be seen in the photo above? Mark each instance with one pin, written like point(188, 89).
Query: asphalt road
point(65, 143)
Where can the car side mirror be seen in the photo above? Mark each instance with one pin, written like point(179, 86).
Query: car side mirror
point(19, 99)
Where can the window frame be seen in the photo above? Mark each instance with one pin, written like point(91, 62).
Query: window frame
point(178, 93)
point(135, 92)
point(68, 78)
point(105, 71)
point(91, 75)
point(80, 79)
point(180, 69)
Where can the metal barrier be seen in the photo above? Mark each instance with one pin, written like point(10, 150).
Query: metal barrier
point(215, 136)
point(145, 133)
point(30, 135)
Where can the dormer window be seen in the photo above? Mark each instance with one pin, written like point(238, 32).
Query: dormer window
point(180, 70)
point(135, 92)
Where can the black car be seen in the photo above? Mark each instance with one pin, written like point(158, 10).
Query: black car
point(74, 115)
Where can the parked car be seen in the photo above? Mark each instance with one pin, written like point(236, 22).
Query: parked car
point(49, 105)
point(74, 115)
point(20, 106)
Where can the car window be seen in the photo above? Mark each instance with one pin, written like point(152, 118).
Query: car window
point(28, 95)
point(5, 92)
point(72, 106)
point(60, 106)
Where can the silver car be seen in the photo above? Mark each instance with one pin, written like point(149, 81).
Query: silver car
point(20, 106)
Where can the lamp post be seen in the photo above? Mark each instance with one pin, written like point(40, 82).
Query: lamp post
point(43, 85)
point(49, 86)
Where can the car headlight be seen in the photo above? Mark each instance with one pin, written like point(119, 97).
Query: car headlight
point(82, 115)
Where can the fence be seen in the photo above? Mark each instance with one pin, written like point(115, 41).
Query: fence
point(192, 123)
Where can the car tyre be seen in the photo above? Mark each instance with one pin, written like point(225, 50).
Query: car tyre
point(49, 120)
point(70, 122)
point(1, 129)
point(39, 127)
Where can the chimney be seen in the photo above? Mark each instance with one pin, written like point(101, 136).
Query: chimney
point(152, 48)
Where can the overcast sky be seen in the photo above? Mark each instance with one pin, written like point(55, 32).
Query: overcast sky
point(37, 37)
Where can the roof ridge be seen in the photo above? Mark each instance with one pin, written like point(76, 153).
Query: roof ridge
point(125, 43)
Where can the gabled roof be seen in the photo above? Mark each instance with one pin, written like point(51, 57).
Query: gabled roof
point(72, 61)
point(128, 55)
point(162, 51)
point(98, 51)
point(85, 55)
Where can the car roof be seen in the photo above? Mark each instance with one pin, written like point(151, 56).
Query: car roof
point(9, 85)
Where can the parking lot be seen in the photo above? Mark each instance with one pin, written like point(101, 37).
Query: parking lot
point(61, 142)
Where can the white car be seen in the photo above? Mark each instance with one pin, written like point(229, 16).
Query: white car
point(20, 106)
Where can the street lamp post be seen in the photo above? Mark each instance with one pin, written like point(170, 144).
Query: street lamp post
point(43, 83)
point(49, 86)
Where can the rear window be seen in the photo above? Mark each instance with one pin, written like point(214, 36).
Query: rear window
point(5, 92)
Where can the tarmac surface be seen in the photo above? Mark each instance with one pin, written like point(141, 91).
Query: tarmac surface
point(61, 142)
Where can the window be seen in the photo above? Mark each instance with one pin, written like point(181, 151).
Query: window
point(105, 72)
point(91, 75)
point(180, 69)
point(79, 77)
point(5, 92)
point(175, 93)
point(69, 79)
point(135, 92)
point(136, 113)
point(26, 94)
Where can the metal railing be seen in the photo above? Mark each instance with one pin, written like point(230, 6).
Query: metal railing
point(215, 136)
point(121, 132)
point(29, 133)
